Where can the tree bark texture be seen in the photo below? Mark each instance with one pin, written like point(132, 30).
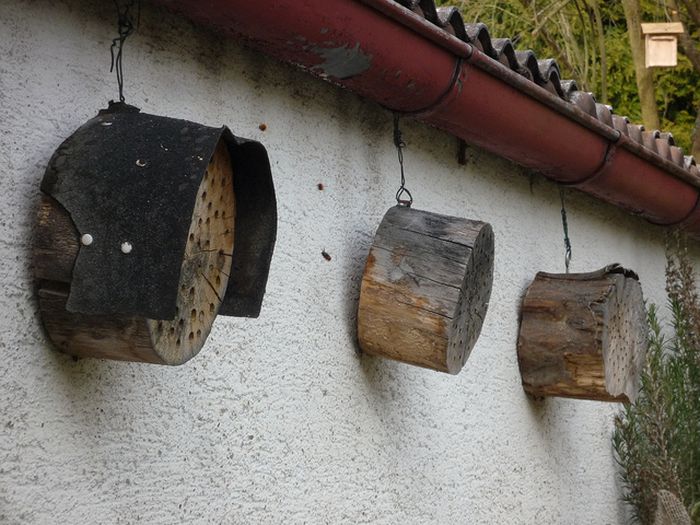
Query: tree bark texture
point(583, 335)
point(644, 75)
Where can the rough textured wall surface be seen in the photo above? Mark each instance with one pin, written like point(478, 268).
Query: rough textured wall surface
point(280, 419)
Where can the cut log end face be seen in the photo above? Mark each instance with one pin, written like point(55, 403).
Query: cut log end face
point(425, 289)
point(625, 340)
point(206, 266)
point(474, 297)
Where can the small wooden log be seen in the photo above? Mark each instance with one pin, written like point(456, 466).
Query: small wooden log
point(583, 335)
point(203, 278)
point(426, 288)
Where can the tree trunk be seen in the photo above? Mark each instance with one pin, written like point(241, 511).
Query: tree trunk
point(645, 80)
point(688, 48)
point(600, 30)
point(693, 10)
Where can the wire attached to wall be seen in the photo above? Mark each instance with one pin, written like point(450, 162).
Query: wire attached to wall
point(402, 192)
point(126, 24)
point(565, 227)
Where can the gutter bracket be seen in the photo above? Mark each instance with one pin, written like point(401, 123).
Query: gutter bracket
point(446, 97)
point(608, 158)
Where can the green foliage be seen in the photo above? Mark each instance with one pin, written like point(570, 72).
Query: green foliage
point(569, 31)
point(657, 439)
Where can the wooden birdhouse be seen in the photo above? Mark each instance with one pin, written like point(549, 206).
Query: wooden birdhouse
point(426, 288)
point(148, 228)
point(661, 43)
point(583, 335)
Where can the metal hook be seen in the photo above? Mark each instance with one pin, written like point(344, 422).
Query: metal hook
point(402, 192)
point(565, 227)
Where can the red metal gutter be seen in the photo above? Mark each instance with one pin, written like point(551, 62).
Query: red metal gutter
point(385, 52)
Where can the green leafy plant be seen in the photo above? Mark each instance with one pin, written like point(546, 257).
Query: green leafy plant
point(657, 439)
point(588, 38)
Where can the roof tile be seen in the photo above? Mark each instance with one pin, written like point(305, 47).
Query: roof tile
point(546, 74)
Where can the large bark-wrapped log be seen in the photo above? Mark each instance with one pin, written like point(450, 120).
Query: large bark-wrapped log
point(583, 335)
point(426, 288)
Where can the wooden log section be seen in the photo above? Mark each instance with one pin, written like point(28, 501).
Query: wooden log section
point(203, 278)
point(583, 335)
point(426, 288)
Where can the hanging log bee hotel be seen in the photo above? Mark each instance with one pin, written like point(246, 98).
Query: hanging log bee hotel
point(148, 228)
point(583, 335)
point(426, 288)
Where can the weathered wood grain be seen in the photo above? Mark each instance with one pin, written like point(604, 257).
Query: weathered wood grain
point(425, 289)
point(203, 279)
point(583, 335)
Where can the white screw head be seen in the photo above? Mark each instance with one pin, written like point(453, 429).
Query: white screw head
point(140, 163)
point(126, 247)
point(86, 239)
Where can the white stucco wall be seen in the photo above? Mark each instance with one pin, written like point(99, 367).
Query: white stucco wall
point(279, 419)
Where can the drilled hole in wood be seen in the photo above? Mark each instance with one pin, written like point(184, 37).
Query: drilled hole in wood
point(201, 282)
point(158, 340)
point(441, 269)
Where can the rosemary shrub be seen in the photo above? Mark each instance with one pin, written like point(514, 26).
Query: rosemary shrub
point(657, 439)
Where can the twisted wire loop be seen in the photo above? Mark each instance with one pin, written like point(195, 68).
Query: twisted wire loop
point(403, 195)
point(126, 24)
point(565, 227)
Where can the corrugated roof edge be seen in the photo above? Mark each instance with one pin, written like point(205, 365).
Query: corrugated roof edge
point(400, 59)
point(546, 74)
